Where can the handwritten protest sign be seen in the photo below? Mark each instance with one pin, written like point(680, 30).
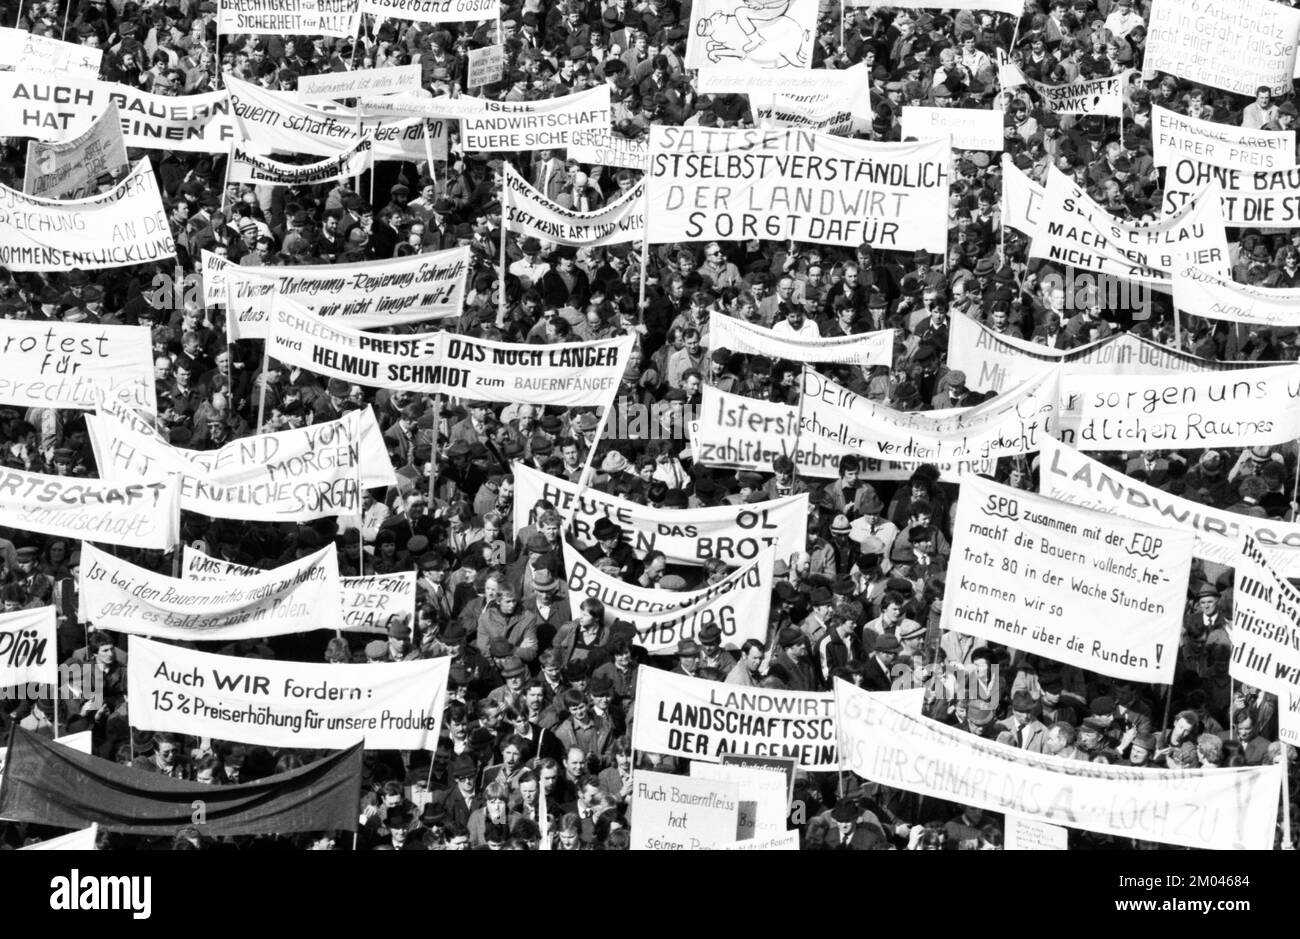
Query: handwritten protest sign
point(392, 705)
point(763, 803)
point(1248, 408)
point(248, 167)
point(1067, 475)
point(70, 365)
point(706, 184)
point(1265, 625)
point(969, 128)
point(29, 649)
point(1029, 834)
point(328, 86)
point(1086, 96)
point(74, 168)
point(1022, 198)
point(306, 17)
point(732, 533)
point(298, 597)
point(528, 212)
point(1248, 197)
point(683, 813)
point(28, 53)
point(55, 108)
point(1176, 136)
point(485, 66)
point(1081, 587)
point(371, 603)
point(738, 604)
point(432, 11)
point(1236, 45)
point(1008, 425)
point(606, 148)
point(842, 109)
point(124, 226)
point(1225, 809)
point(789, 841)
point(1203, 294)
point(140, 514)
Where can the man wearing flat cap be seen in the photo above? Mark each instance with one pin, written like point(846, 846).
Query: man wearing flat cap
point(793, 662)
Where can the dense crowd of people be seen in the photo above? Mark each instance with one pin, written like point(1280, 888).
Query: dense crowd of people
point(542, 683)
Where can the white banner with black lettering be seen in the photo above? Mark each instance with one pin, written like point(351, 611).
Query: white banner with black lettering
point(393, 705)
point(1236, 45)
point(1022, 198)
point(737, 605)
point(1010, 424)
point(733, 533)
point(1249, 408)
point(485, 66)
point(606, 148)
point(125, 226)
point(968, 128)
point(707, 184)
point(432, 11)
point(1176, 136)
point(528, 212)
point(248, 167)
point(371, 603)
point(328, 86)
point(864, 349)
point(50, 107)
point(1074, 229)
point(364, 295)
point(576, 373)
point(1259, 198)
point(842, 111)
point(70, 365)
point(1265, 625)
point(683, 813)
point(1086, 588)
point(30, 54)
point(336, 18)
point(140, 514)
point(29, 650)
point(741, 433)
point(73, 169)
point(1225, 809)
point(1070, 476)
point(1218, 298)
point(1103, 96)
point(535, 125)
point(296, 597)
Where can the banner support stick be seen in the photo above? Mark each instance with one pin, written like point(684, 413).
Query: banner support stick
point(66, 12)
point(501, 274)
point(1288, 837)
point(261, 395)
point(433, 449)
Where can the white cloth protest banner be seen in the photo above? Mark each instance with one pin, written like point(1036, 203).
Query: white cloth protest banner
point(485, 66)
point(1248, 197)
point(683, 813)
point(1218, 298)
point(248, 167)
point(1029, 834)
point(1225, 809)
point(330, 86)
point(1067, 475)
point(70, 365)
point(732, 533)
point(679, 715)
point(528, 212)
point(1265, 625)
point(1236, 45)
point(864, 349)
point(296, 597)
point(83, 840)
point(432, 11)
point(1074, 229)
point(742, 433)
point(279, 121)
point(72, 169)
point(789, 841)
point(1249, 408)
point(738, 604)
point(125, 226)
point(763, 804)
point(1010, 424)
point(1288, 725)
point(1176, 136)
point(140, 514)
point(842, 110)
point(371, 603)
point(1022, 198)
point(29, 649)
point(337, 18)
point(393, 705)
point(364, 295)
point(297, 475)
point(57, 107)
point(30, 54)
point(1085, 588)
point(774, 38)
point(968, 128)
point(760, 85)
point(707, 184)
point(1104, 96)
point(535, 125)
point(576, 373)
point(606, 148)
